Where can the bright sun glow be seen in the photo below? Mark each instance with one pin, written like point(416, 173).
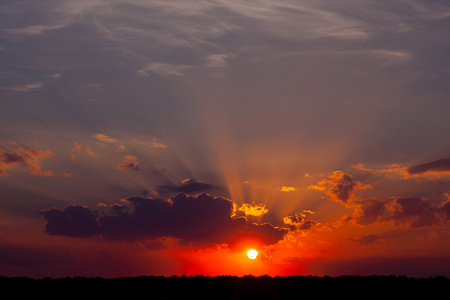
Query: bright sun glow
point(252, 253)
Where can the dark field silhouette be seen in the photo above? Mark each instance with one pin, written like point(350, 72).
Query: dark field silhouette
point(225, 287)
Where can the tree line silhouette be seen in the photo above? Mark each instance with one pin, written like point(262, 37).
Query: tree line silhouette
point(223, 287)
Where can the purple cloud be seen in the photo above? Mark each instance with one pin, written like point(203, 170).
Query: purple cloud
point(74, 221)
point(440, 165)
point(413, 212)
point(26, 157)
point(199, 220)
point(188, 186)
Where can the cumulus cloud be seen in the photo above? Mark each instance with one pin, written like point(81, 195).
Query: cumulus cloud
point(415, 212)
point(24, 157)
point(198, 220)
point(400, 211)
point(369, 211)
point(131, 162)
point(340, 187)
point(299, 220)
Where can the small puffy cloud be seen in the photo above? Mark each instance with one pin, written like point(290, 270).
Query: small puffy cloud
point(158, 145)
point(25, 157)
point(131, 162)
point(80, 148)
point(362, 167)
point(288, 189)
point(340, 187)
point(73, 221)
point(299, 220)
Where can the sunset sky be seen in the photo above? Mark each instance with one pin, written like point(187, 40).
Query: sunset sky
point(154, 137)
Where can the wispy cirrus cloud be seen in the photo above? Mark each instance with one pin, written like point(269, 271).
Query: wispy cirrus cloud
point(164, 69)
point(29, 87)
point(34, 29)
point(104, 138)
point(432, 169)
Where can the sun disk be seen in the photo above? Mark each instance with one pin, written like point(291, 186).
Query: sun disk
point(252, 253)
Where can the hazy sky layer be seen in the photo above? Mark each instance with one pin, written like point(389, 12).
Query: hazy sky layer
point(318, 130)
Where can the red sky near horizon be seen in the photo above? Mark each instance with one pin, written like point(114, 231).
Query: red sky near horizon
point(169, 138)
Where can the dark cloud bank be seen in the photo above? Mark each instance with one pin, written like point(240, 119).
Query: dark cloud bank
point(197, 220)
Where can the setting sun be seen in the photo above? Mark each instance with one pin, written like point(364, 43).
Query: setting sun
point(252, 253)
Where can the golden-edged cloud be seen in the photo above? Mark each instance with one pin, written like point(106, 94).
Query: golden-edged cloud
point(199, 220)
point(255, 210)
point(288, 189)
